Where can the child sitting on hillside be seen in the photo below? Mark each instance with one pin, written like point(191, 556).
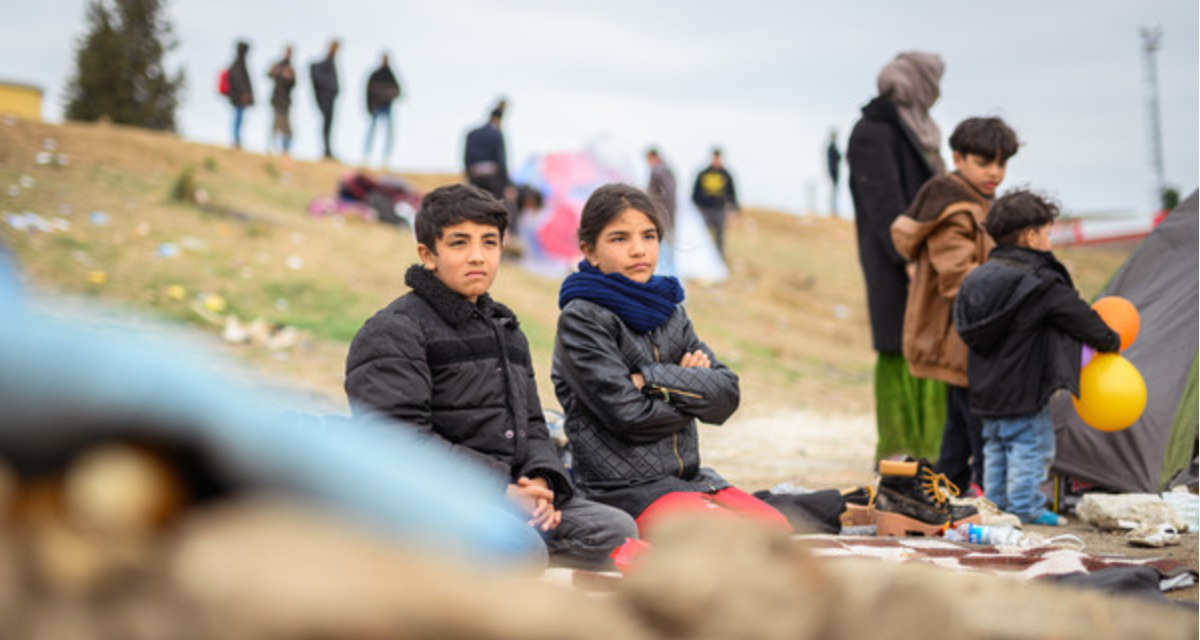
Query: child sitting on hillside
point(1023, 321)
point(632, 376)
point(452, 363)
point(942, 237)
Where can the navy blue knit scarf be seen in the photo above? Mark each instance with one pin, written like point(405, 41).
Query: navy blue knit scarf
point(644, 307)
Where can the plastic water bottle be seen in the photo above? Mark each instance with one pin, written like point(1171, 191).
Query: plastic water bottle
point(983, 534)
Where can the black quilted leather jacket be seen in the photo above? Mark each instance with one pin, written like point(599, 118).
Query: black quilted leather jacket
point(632, 446)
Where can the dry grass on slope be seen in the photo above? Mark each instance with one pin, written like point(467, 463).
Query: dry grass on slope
point(791, 319)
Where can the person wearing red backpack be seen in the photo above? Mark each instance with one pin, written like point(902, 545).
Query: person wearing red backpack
point(236, 86)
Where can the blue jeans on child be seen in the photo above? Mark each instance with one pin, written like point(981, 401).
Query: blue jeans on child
point(1017, 453)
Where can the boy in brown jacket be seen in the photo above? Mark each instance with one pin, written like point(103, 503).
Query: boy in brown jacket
point(942, 237)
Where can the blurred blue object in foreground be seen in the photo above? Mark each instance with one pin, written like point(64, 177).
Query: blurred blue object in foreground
point(64, 387)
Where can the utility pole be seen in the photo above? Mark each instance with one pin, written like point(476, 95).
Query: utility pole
point(1151, 41)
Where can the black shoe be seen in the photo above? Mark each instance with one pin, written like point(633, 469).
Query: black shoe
point(913, 499)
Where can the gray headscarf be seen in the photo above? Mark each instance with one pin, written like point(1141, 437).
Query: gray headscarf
point(911, 83)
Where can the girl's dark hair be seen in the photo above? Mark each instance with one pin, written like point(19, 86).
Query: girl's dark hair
point(1016, 211)
point(608, 202)
point(449, 205)
point(987, 137)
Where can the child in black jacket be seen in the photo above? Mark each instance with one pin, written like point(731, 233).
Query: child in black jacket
point(1023, 322)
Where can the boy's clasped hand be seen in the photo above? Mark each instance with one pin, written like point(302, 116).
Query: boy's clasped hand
point(534, 497)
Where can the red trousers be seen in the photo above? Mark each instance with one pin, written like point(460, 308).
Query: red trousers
point(730, 502)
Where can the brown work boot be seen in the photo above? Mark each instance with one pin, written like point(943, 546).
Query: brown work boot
point(914, 500)
point(860, 506)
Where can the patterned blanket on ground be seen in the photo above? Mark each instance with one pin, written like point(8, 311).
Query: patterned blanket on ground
point(1021, 562)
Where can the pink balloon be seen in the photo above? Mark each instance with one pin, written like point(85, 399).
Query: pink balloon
point(1086, 355)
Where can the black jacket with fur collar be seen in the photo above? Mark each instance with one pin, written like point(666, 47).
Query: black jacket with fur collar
point(460, 374)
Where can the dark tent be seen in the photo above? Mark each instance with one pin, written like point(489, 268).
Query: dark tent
point(1160, 279)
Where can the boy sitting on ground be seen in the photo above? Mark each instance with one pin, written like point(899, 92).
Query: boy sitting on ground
point(453, 364)
point(1023, 321)
point(942, 237)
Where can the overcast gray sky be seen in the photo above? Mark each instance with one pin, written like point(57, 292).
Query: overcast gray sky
point(766, 80)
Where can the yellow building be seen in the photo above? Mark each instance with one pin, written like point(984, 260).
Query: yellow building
point(21, 100)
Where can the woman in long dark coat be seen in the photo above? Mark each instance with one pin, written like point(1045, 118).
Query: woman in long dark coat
point(892, 151)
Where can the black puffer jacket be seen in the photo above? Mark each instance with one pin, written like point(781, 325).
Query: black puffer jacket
point(631, 446)
point(459, 373)
point(1023, 321)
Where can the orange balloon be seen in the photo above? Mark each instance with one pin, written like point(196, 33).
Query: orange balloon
point(1121, 316)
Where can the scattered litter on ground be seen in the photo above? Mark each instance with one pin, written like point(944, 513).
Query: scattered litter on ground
point(295, 262)
point(142, 230)
point(1186, 506)
point(840, 311)
point(97, 277)
point(29, 221)
point(168, 250)
point(26, 182)
point(281, 304)
point(215, 303)
point(176, 292)
point(98, 218)
point(275, 337)
point(192, 243)
point(1149, 519)
point(46, 158)
point(14, 190)
point(1153, 534)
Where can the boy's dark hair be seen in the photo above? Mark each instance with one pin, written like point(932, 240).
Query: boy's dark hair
point(608, 202)
point(987, 137)
point(449, 205)
point(1017, 211)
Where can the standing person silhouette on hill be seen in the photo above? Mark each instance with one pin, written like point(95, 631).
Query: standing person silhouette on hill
point(382, 90)
point(892, 151)
point(833, 162)
point(484, 158)
point(284, 77)
point(325, 89)
point(241, 93)
point(715, 196)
